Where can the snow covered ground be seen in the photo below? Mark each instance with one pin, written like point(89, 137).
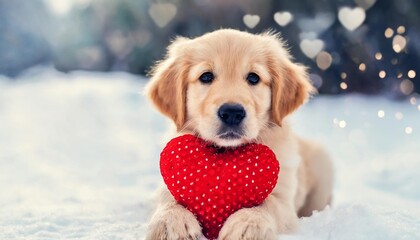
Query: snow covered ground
point(79, 160)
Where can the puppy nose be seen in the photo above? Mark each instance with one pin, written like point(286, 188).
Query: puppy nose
point(231, 114)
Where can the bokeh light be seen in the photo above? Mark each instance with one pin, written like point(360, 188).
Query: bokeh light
point(411, 74)
point(406, 87)
point(382, 74)
point(381, 113)
point(401, 30)
point(398, 43)
point(408, 130)
point(324, 60)
point(342, 124)
point(389, 33)
point(399, 115)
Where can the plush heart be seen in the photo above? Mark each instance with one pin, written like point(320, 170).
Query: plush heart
point(215, 182)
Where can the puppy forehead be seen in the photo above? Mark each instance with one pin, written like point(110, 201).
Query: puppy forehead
point(229, 55)
point(228, 48)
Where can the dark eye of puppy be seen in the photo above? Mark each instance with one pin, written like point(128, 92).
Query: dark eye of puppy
point(253, 78)
point(206, 77)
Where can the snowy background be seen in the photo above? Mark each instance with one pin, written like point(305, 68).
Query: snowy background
point(79, 159)
point(79, 151)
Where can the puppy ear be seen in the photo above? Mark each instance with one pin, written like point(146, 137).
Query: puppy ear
point(290, 85)
point(168, 83)
point(289, 90)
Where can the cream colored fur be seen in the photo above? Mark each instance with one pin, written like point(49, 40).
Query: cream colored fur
point(305, 179)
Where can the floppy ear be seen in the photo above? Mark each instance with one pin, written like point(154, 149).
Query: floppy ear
point(167, 86)
point(290, 86)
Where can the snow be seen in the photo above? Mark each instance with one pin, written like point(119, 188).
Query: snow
point(79, 160)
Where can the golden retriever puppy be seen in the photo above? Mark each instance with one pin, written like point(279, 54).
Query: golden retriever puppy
point(230, 88)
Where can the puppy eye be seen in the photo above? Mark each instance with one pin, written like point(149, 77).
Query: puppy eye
point(253, 78)
point(206, 77)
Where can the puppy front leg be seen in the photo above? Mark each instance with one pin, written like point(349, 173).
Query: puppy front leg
point(249, 223)
point(276, 215)
point(260, 223)
point(172, 221)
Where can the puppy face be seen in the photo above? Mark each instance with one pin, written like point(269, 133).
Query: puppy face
point(227, 86)
point(228, 95)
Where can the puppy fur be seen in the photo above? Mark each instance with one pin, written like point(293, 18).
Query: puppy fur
point(306, 176)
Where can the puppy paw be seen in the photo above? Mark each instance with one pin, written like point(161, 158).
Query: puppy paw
point(249, 224)
point(173, 223)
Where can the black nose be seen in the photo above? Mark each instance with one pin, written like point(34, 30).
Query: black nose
point(231, 114)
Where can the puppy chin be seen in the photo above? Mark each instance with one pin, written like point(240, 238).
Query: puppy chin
point(229, 142)
point(228, 138)
point(220, 141)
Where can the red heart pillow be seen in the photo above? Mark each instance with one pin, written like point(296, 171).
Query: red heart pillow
point(215, 182)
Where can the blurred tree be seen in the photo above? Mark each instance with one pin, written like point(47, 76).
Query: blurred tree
point(23, 38)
